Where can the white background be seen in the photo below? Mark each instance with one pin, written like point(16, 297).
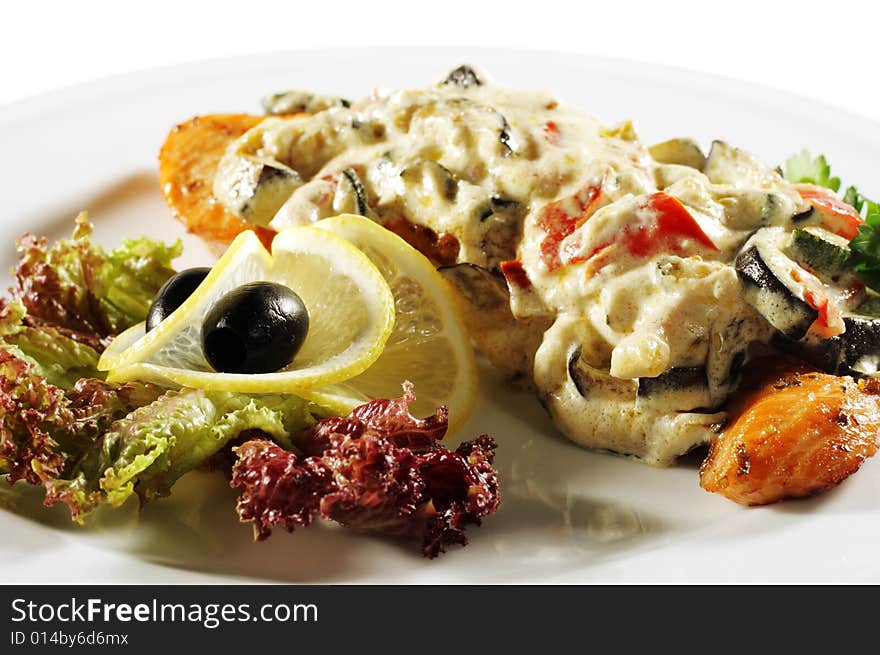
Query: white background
point(825, 50)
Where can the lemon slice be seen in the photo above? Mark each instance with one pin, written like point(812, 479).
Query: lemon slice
point(428, 346)
point(351, 314)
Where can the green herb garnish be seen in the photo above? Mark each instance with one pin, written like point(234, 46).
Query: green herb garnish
point(865, 246)
point(800, 168)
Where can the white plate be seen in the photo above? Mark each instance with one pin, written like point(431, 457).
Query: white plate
point(567, 515)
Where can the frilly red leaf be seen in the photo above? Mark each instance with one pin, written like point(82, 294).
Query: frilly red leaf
point(379, 469)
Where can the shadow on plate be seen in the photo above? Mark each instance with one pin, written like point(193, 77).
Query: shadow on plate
point(110, 201)
point(547, 524)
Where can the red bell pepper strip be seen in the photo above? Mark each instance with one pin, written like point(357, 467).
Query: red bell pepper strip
point(559, 219)
point(837, 216)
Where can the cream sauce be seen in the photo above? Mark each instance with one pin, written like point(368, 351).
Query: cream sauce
point(632, 259)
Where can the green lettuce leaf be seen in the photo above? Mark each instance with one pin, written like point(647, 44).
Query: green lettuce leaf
point(45, 430)
point(130, 277)
point(53, 355)
point(76, 287)
point(71, 297)
point(150, 449)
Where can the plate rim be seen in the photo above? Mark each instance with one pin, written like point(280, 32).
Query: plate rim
point(44, 100)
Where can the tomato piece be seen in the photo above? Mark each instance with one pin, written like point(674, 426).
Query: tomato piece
point(829, 322)
point(515, 274)
point(837, 216)
point(559, 219)
point(441, 248)
point(266, 236)
point(672, 229)
point(551, 133)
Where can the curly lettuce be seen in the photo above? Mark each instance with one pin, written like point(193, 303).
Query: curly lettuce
point(91, 443)
point(100, 443)
point(149, 449)
point(380, 470)
point(84, 292)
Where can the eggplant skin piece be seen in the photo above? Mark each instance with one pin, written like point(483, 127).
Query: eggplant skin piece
point(770, 297)
point(678, 378)
point(855, 352)
point(681, 388)
point(463, 76)
point(675, 379)
point(681, 151)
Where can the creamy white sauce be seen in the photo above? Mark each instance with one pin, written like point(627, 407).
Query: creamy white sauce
point(484, 163)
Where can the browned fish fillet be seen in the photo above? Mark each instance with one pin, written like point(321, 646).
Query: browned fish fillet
point(795, 434)
point(187, 162)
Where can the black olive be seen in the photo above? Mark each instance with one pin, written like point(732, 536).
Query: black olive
point(173, 294)
point(256, 328)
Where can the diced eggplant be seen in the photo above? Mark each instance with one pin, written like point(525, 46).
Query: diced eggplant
point(262, 189)
point(750, 209)
point(463, 76)
point(728, 165)
point(298, 102)
point(589, 380)
point(480, 287)
point(764, 271)
point(501, 222)
point(804, 216)
point(684, 152)
point(676, 378)
point(498, 205)
point(370, 131)
point(681, 388)
point(855, 352)
point(577, 373)
point(433, 177)
point(351, 196)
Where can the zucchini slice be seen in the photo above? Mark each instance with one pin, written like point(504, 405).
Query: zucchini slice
point(300, 102)
point(684, 152)
point(768, 286)
point(820, 250)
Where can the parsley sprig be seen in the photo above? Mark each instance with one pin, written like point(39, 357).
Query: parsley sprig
point(865, 246)
point(800, 168)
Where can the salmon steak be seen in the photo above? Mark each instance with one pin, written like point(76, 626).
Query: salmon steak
point(796, 434)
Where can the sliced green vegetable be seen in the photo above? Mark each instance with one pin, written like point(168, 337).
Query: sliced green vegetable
point(820, 251)
point(864, 248)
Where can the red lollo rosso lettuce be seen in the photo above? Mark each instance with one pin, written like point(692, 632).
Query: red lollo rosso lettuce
point(379, 469)
point(85, 292)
